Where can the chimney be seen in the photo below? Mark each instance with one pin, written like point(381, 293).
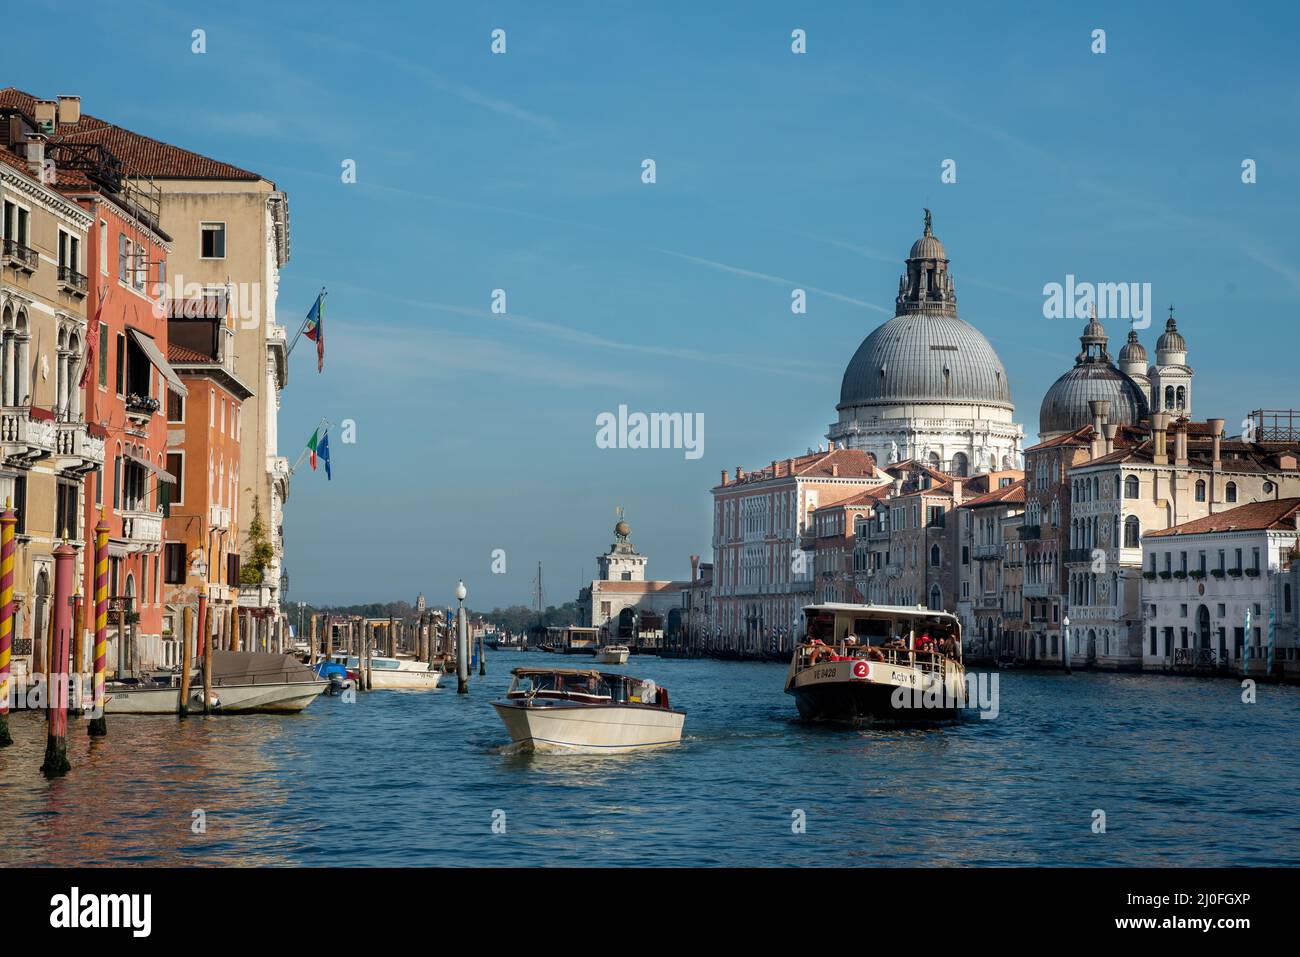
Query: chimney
point(36, 155)
point(69, 109)
point(1180, 444)
point(695, 567)
point(835, 470)
point(740, 473)
point(774, 472)
point(789, 466)
point(724, 476)
point(1109, 430)
point(46, 115)
point(898, 486)
point(1100, 409)
point(1216, 440)
point(1159, 427)
point(830, 446)
point(956, 491)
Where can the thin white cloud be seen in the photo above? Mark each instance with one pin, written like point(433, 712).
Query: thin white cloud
point(778, 280)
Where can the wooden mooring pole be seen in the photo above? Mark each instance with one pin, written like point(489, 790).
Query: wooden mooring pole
point(187, 655)
point(7, 522)
point(98, 724)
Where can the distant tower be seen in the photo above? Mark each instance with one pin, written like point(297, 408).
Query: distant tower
point(1133, 362)
point(1171, 376)
point(622, 562)
point(419, 604)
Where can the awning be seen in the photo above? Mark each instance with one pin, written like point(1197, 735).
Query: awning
point(159, 361)
point(163, 474)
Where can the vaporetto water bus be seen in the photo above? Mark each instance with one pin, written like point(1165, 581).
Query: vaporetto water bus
point(878, 663)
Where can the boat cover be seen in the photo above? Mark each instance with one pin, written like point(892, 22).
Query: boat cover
point(258, 667)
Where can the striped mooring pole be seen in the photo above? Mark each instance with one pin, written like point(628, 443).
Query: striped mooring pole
point(56, 742)
point(98, 725)
point(7, 522)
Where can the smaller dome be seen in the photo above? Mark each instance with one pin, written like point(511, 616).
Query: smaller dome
point(622, 529)
point(1133, 350)
point(1172, 340)
point(928, 247)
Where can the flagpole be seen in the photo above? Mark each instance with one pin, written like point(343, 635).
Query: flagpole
point(323, 424)
point(298, 334)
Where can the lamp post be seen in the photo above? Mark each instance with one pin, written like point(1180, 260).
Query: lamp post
point(1065, 641)
point(462, 641)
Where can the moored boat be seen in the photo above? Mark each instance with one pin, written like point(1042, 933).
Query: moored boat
point(398, 674)
point(878, 663)
point(242, 682)
point(612, 655)
point(585, 711)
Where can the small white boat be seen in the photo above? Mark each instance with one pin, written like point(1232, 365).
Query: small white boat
point(592, 712)
point(242, 682)
point(407, 674)
point(612, 655)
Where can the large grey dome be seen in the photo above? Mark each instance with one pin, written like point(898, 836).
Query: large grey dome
point(925, 358)
point(1065, 407)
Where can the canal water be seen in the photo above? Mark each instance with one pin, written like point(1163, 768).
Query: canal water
point(1183, 771)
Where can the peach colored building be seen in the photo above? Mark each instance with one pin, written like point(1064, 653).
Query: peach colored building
point(202, 547)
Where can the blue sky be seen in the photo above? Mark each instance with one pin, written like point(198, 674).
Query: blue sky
point(522, 172)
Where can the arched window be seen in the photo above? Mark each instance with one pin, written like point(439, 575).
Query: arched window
point(934, 555)
point(936, 598)
point(1182, 397)
point(960, 464)
point(1200, 490)
point(1230, 493)
point(1131, 532)
point(1169, 397)
point(1131, 487)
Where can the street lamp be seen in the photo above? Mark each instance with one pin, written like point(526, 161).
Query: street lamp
point(462, 641)
point(1065, 641)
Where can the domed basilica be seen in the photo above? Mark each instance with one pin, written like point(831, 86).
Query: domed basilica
point(1134, 389)
point(925, 385)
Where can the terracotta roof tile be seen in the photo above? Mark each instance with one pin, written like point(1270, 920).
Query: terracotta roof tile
point(182, 354)
point(145, 155)
point(1274, 514)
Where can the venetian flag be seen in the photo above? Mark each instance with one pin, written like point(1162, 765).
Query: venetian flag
point(319, 445)
point(92, 342)
point(315, 331)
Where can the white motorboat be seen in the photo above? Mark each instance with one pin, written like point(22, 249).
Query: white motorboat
point(868, 663)
point(242, 682)
point(612, 655)
point(594, 712)
point(408, 674)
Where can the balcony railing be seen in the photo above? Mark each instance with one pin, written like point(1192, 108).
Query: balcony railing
point(20, 256)
point(72, 281)
point(74, 442)
point(24, 436)
point(987, 551)
point(141, 406)
point(1078, 556)
point(1037, 589)
point(218, 516)
point(1028, 532)
point(141, 527)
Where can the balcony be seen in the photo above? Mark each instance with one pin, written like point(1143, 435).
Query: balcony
point(77, 450)
point(142, 529)
point(141, 407)
point(71, 281)
point(982, 552)
point(20, 257)
point(218, 516)
point(1029, 532)
point(1037, 589)
point(1078, 556)
point(24, 436)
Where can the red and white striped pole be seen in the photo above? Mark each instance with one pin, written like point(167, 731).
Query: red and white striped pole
point(98, 726)
point(7, 522)
point(56, 744)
